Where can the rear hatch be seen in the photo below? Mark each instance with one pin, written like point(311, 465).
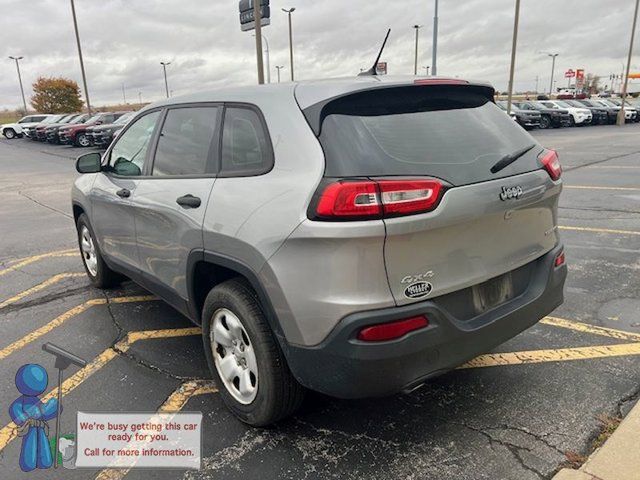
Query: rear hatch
point(462, 190)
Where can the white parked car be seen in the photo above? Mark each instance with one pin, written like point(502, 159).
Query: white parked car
point(577, 116)
point(13, 130)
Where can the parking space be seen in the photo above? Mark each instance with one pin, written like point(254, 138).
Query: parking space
point(514, 413)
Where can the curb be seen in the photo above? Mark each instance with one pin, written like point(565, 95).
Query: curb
point(617, 459)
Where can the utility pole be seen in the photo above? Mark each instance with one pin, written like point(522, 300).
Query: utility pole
point(164, 69)
point(257, 19)
point(17, 60)
point(84, 76)
point(536, 84)
point(124, 98)
point(427, 69)
point(140, 98)
point(626, 77)
point(434, 57)
point(513, 55)
point(289, 12)
point(415, 63)
point(279, 67)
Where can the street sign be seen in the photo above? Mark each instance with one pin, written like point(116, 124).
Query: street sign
point(381, 68)
point(247, 20)
point(569, 74)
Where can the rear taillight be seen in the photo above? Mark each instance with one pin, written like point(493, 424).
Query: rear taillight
point(551, 164)
point(559, 261)
point(392, 330)
point(366, 199)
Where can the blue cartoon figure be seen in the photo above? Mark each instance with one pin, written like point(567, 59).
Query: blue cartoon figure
point(31, 416)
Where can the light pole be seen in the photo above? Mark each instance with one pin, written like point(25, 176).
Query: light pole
point(24, 102)
point(427, 69)
point(124, 97)
point(257, 21)
point(415, 62)
point(513, 56)
point(84, 76)
point(266, 50)
point(553, 67)
point(140, 98)
point(289, 12)
point(434, 57)
point(279, 67)
point(626, 77)
point(166, 84)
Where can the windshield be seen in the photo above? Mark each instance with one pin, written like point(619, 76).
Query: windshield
point(95, 118)
point(53, 119)
point(457, 138)
point(574, 103)
point(563, 104)
point(80, 118)
point(551, 105)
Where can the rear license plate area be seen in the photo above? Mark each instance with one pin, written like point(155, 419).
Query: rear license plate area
point(492, 293)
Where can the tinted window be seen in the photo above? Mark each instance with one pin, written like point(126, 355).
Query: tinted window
point(129, 152)
point(453, 134)
point(245, 146)
point(185, 142)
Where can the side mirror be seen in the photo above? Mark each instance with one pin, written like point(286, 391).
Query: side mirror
point(89, 163)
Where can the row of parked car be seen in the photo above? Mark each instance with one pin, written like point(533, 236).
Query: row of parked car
point(569, 113)
point(77, 129)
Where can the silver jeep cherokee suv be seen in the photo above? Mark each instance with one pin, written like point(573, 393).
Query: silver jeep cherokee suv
point(355, 237)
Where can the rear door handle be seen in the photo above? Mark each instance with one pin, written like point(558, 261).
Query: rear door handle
point(189, 201)
point(123, 193)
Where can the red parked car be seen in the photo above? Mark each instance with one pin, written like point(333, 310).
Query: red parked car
point(77, 134)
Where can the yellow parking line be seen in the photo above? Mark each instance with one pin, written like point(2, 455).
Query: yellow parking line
point(593, 187)
point(37, 288)
point(10, 431)
point(599, 230)
point(611, 166)
point(555, 355)
point(59, 320)
point(28, 260)
point(176, 402)
point(593, 329)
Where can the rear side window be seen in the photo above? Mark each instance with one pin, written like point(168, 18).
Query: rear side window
point(185, 142)
point(246, 149)
point(453, 133)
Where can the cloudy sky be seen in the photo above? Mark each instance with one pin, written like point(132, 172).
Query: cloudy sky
point(123, 41)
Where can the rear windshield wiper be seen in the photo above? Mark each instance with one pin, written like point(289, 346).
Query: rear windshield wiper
point(510, 158)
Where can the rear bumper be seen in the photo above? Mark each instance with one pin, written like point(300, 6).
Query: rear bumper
point(344, 367)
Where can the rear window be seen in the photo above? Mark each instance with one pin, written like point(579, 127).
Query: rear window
point(453, 133)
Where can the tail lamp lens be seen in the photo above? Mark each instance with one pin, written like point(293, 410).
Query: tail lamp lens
point(559, 261)
point(376, 199)
point(551, 164)
point(392, 330)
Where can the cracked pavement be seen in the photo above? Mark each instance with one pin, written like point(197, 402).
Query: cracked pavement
point(508, 422)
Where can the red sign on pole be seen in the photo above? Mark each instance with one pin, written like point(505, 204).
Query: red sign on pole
point(569, 74)
point(579, 78)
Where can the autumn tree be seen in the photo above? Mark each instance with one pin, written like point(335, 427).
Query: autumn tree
point(56, 95)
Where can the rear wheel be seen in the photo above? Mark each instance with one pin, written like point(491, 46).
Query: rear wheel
point(245, 358)
point(10, 133)
point(98, 271)
point(545, 122)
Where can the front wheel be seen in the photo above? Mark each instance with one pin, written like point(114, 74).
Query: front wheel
point(572, 122)
point(99, 273)
point(10, 133)
point(545, 122)
point(82, 140)
point(245, 358)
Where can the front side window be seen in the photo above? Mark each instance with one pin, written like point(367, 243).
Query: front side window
point(130, 150)
point(245, 145)
point(185, 142)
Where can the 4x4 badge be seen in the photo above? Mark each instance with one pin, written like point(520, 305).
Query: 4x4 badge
point(511, 192)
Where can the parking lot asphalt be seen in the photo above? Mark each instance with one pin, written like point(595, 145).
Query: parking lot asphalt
point(514, 413)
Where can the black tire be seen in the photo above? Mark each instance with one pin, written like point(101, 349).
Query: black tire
point(82, 140)
point(572, 122)
point(104, 276)
point(545, 122)
point(278, 395)
point(10, 133)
